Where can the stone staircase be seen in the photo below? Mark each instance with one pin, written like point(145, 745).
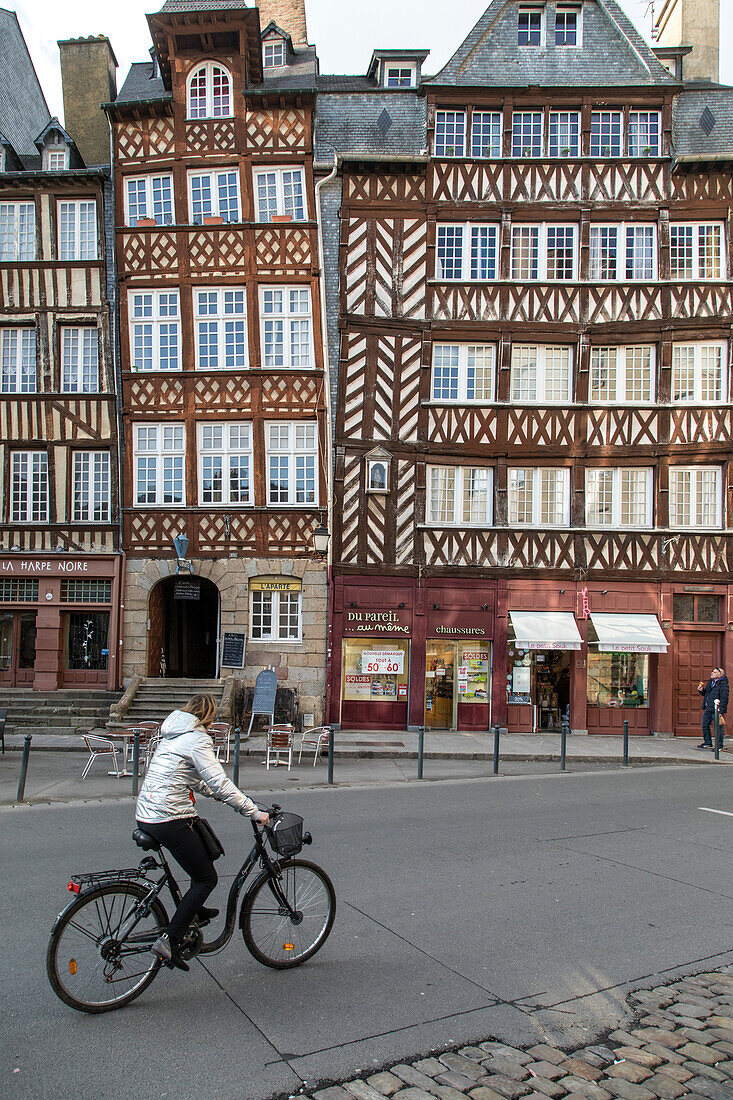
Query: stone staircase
point(64, 711)
point(155, 699)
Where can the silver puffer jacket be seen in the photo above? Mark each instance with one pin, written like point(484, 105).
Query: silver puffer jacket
point(184, 762)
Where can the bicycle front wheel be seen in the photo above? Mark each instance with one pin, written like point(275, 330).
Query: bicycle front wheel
point(99, 954)
point(275, 936)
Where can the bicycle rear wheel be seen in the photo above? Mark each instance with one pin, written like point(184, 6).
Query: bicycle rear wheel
point(272, 935)
point(92, 966)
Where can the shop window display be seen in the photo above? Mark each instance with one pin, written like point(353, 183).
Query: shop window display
point(618, 680)
point(376, 670)
point(540, 680)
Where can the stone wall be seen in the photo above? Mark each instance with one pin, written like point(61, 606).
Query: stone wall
point(289, 16)
point(300, 666)
point(88, 74)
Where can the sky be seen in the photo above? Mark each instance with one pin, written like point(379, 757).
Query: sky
point(344, 42)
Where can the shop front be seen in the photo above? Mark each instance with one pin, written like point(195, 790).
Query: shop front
point(457, 687)
point(621, 649)
point(59, 620)
point(540, 645)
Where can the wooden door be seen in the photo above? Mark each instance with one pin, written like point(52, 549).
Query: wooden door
point(155, 630)
point(696, 652)
point(25, 633)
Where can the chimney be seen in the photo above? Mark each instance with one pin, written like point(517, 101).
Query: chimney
point(89, 78)
point(694, 23)
point(289, 16)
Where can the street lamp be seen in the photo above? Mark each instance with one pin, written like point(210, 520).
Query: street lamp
point(180, 545)
point(321, 539)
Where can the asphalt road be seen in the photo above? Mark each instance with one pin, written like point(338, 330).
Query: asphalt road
point(520, 908)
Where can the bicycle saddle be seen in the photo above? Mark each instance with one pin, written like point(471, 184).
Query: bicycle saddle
point(145, 841)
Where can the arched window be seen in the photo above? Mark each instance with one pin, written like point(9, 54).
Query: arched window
point(209, 92)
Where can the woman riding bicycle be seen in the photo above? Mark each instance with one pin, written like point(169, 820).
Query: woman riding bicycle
point(185, 762)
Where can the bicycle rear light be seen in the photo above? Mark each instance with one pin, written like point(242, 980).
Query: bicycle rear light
point(74, 887)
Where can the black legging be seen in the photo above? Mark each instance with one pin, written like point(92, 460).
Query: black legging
point(182, 840)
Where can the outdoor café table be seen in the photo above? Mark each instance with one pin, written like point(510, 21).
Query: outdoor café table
point(127, 737)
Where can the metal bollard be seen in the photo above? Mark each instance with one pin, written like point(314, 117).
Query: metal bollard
point(626, 743)
point(330, 754)
point(235, 774)
point(135, 762)
point(563, 742)
point(24, 766)
point(716, 728)
point(420, 748)
point(496, 748)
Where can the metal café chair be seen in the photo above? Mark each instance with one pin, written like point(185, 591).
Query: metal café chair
point(221, 733)
point(279, 743)
point(316, 739)
point(100, 746)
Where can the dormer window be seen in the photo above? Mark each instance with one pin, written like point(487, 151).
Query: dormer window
point(529, 27)
point(567, 26)
point(56, 159)
point(209, 92)
point(273, 54)
point(399, 76)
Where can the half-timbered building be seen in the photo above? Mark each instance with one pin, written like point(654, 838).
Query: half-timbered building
point(220, 329)
point(533, 416)
point(60, 561)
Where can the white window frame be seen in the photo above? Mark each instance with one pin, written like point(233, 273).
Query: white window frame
point(91, 494)
point(293, 318)
point(458, 481)
point(697, 231)
point(295, 442)
point(646, 150)
point(29, 479)
point(80, 243)
point(496, 128)
point(79, 346)
point(209, 109)
point(577, 11)
point(277, 51)
point(401, 67)
point(168, 452)
point(466, 233)
point(532, 9)
point(572, 121)
point(282, 204)
point(274, 599)
point(226, 442)
point(620, 477)
point(614, 116)
point(525, 230)
point(623, 256)
point(226, 327)
point(17, 231)
point(544, 357)
point(460, 368)
point(218, 210)
point(696, 476)
point(151, 199)
point(51, 155)
point(441, 146)
point(164, 321)
point(700, 350)
point(18, 360)
point(620, 366)
point(537, 146)
point(538, 474)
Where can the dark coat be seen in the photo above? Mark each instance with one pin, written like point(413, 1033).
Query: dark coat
point(715, 689)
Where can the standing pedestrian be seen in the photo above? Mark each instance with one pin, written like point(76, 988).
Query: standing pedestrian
point(716, 688)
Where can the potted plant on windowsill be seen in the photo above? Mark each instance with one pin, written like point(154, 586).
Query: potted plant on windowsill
point(281, 217)
point(211, 219)
point(145, 223)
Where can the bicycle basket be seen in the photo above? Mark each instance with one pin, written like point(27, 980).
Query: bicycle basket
point(286, 835)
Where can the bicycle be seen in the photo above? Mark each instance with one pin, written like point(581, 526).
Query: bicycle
point(99, 955)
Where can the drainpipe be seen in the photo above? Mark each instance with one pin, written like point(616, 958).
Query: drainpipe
point(329, 429)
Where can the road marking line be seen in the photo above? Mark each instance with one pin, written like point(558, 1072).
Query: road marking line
point(725, 813)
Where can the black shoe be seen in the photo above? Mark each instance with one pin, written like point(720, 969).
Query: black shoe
point(167, 951)
point(206, 914)
point(704, 746)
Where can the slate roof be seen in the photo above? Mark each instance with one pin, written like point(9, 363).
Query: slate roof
point(140, 85)
point(612, 53)
point(203, 5)
point(381, 124)
point(690, 121)
point(23, 108)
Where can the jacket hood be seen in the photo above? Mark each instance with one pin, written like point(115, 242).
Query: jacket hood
point(178, 722)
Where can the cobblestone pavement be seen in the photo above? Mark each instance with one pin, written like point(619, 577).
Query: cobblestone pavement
point(679, 1045)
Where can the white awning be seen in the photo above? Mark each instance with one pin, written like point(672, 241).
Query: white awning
point(545, 630)
point(629, 633)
